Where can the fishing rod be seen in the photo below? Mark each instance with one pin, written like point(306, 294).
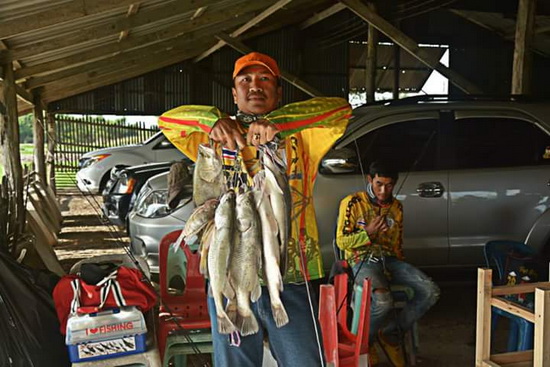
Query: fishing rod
point(114, 234)
point(382, 256)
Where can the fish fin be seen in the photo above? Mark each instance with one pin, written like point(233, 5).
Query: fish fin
point(225, 326)
point(231, 310)
point(279, 315)
point(228, 290)
point(248, 324)
point(256, 292)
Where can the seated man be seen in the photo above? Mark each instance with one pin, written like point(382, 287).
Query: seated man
point(370, 227)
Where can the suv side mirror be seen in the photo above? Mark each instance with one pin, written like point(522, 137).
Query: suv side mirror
point(339, 161)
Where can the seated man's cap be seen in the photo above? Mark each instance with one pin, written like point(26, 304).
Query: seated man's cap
point(256, 58)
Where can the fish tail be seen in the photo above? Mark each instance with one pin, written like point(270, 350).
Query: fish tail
point(248, 324)
point(279, 315)
point(225, 326)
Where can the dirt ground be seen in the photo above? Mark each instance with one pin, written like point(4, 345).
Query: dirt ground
point(446, 334)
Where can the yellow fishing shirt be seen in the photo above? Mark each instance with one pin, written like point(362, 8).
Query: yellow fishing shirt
point(308, 129)
point(353, 239)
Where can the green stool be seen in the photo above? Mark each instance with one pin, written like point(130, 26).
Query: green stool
point(179, 346)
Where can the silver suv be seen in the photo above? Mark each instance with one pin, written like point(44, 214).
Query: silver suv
point(471, 171)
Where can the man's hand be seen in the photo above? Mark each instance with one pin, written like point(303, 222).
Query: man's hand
point(378, 224)
point(261, 132)
point(226, 132)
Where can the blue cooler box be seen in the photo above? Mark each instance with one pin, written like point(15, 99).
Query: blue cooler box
point(106, 334)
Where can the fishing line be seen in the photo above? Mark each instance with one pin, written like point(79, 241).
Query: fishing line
point(382, 256)
point(117, 239)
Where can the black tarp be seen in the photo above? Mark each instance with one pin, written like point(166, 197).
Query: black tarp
point(29, 329)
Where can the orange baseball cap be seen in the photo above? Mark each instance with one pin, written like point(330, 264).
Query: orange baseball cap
point(256, 58)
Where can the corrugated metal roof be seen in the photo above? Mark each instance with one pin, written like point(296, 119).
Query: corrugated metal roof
point(62, 48)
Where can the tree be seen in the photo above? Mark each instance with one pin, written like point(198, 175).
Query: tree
point(25, 128)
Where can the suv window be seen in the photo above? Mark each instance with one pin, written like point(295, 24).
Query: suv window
point(484, 142)
point(401, 144)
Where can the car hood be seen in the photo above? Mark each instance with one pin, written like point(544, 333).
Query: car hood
point(126, 148)
point(159, 182)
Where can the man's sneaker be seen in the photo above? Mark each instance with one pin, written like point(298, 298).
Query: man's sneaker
point(394, 352)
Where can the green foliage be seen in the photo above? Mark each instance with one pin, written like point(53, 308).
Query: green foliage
point(25, 128)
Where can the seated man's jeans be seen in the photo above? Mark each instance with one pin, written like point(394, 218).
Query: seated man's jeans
point(426, 294)
point(294, 344)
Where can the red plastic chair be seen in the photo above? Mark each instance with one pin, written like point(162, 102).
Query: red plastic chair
point(186, 308)
point(342, 347)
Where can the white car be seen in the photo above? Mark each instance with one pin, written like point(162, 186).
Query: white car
point(95, 167)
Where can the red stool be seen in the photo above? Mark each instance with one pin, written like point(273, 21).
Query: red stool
point(183, 316)
point(342, 347)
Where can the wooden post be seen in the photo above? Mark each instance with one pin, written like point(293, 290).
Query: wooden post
point(9, 142)
point(521, 71)
point(371, 62)
point(541, 355)
point(38, 137)
point(409, 45)
point(483, 324)
point(50, 117)
point(396, 69)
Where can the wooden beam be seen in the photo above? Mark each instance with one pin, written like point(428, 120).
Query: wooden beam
point(542, 328)
point(16, 64)
point(155, 62)
point(514, 358)
point(50, 157)
point(371, 63)
point(521, 71)
point(59, 13)
point(68, 38)
point(478, 19)
point(513, 308)
point(131, 57)
point(292, 79)
point(396, 69)
point(142, 58)
point(162, 38)
point(409, 45)
point(322, 15)
point(200, 11)
point(38, 138)
point(266, 13)
point(133, 9)
point(9, 142)
point(483, 322)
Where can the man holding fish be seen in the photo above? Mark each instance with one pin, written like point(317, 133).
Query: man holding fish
point(273, 153)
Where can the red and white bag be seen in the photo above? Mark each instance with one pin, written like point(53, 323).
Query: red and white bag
point(123, 287)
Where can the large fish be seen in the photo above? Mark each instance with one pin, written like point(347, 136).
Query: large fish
point(199, 218)
point(218, 258)
point(208, 175)
point(245, 262)
point(278, 189)
point(271, 252)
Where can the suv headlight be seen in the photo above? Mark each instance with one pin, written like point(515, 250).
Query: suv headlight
point(126, 184)
point(153, 204)
point(87, 162)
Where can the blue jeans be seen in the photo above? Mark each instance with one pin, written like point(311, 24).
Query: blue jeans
point(294, 344)
point(426, 293)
